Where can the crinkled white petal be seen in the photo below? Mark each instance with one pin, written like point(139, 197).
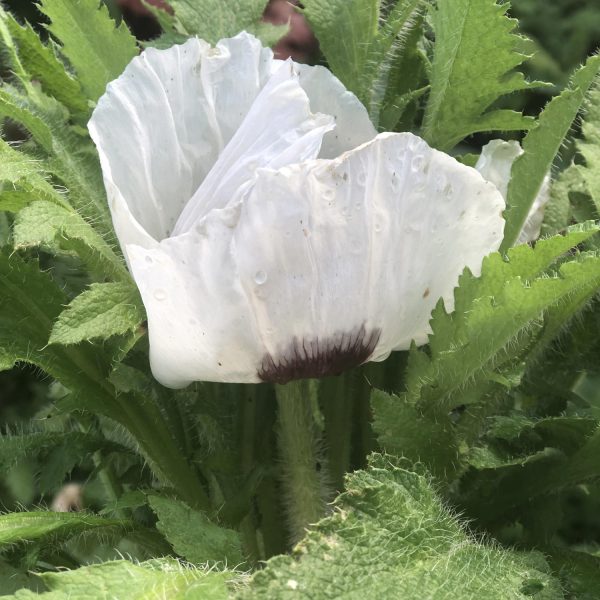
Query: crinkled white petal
point(495, 164)
point(162, 125)
point(312, 254)
point(279, 129)
point(328, 95)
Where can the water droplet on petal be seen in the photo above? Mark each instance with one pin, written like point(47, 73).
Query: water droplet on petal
point(260, 277)
point(417, 163)
point(160, 295)
point(361, 178)
point(328, 194)
point(148, 259)
point(377, 227)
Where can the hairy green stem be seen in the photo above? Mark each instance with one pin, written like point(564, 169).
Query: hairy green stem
point(299, 449)
point(338, 407)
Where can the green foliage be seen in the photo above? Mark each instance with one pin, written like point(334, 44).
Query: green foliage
point(377, 38)
point(41, 63)
point(193, 536)
point(498, 416)
point(481, 347)
point(59, 526)
point(97, 49)
point(390, 535)
point(474, 57)
point(212, 20)
point(540, 147)
point(104, 310)
point(124, 579)
point(59, 228)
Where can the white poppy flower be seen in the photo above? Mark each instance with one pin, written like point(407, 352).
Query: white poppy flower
point(272, 234)
point(495, 164)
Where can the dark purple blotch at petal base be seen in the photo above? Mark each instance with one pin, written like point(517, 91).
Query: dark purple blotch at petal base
point(315, 358)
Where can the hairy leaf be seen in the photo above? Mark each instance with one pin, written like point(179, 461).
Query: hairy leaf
point(58, 526)
point(59, 228)
point(474, 57)
point(98, 50)
point(363, 42)
point(42, 65)
point(22, 180)
point(193, 536)
point(212, 20)
point(149, 580)
point(104, 310)
point(391, 536)
point(540, 147)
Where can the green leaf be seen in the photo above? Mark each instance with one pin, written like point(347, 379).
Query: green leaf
point(362, 45)
point(501, 480)
point(22, 180)
point(391, 536)
point(479, 349)
point(42, 65)
point(57, 526)
point(162, 578)
point(492, 311)
point(589, 147)
point(97, 49)
point(38, 129)
point(193, 536)
point(403, 430)
point(104, 310)
point(474, 57)
point(59, 228)
point(212, 20)
point(540, 147)
point(56, 451)
point(579, 572)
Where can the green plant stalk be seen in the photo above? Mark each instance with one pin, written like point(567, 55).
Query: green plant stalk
point(338, 407)
point(302, 465)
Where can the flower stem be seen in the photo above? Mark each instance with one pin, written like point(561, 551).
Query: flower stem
point(303, 467)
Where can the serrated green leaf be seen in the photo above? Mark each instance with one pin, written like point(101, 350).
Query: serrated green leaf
point(540, 147)
point(38, 129)
point(212, 20)
point(193, 536)
point(22, 180)
point(474, 57)
point(391, 536)
point(401, 429)
point(492, 310)
point(59, 526)
point(149, 580)
point(363, 42)
point(58, 452)
point(59, 228)
point(42, 65)
point(102, 311)
point(98, 50)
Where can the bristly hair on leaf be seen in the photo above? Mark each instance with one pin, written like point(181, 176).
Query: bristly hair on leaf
point(475, 55)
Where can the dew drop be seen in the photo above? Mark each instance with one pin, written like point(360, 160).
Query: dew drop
point(328, 194)
point(418, 163)
point(260, 277)
point(160, 295)
point(361, 178)
point(377, 227)
point(148, 259)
